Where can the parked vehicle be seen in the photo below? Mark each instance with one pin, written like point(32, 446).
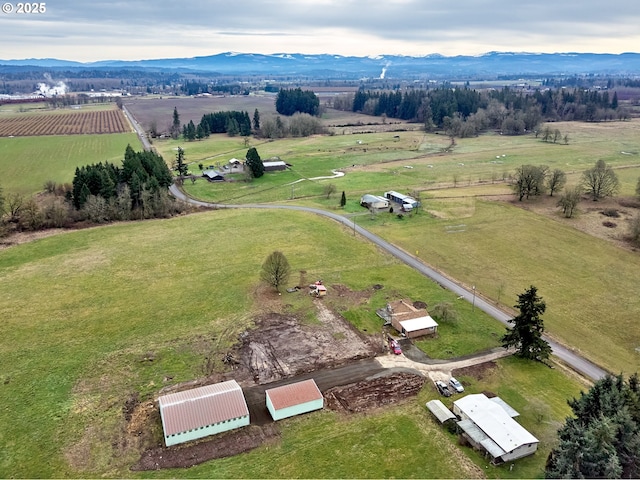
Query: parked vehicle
point(395, 347)
point(456, 385)
point(442, 388)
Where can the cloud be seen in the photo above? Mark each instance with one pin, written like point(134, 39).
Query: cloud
point(136, 29)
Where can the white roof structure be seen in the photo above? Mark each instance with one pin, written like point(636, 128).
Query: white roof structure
point(441, 412)
point(419, 323)
point(495, 422)
point(278, 163)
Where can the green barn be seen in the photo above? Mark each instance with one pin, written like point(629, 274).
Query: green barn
point(294, 399)
point(202, 411)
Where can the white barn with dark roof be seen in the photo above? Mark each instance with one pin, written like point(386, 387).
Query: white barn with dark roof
point(294, 399)
point(202, 411)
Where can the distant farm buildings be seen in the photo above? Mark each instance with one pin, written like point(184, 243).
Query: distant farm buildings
point(274, 166)
point(374, 201)
point(202, 411)
point(213, 175)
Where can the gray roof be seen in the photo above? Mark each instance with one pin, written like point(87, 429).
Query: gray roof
point(495, 422)
point(441, 412)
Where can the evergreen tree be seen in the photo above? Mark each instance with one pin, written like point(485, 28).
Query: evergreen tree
point(254, 163)
point(602, 438)
point(175, 126)
point(528, 327)
point(180, 166)
point(343, 200)
point(256, 120)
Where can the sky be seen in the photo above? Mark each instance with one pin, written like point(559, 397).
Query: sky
point(93, 30)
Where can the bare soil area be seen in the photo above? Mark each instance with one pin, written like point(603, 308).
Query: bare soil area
point(378, 392)
point(281, 346)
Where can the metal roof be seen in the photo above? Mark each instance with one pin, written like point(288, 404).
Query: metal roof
point(420, 323)
point(495, 422)
point(507, 408)
point(479, 437)
point(439, 409)
point(294, 394)
point(203, 406)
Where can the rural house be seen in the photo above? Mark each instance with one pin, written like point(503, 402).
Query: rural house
point(409, 320)
point(294, 399)
point(202, 411)
point(488, 424)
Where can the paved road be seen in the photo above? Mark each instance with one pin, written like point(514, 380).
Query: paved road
point(574, 360)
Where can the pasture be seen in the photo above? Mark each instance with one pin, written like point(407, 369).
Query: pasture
point(577, 264)
point(77, 340)
point(29, 162)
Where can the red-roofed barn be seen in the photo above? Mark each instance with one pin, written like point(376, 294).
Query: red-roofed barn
point(294, 399)
point(202, 411)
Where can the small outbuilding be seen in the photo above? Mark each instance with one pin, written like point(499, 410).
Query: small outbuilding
point(213, 175)
point(294, 399)
point(274, 166)
point(374, 201)
point(440, 411)
point(202, 411)
point(410, 321)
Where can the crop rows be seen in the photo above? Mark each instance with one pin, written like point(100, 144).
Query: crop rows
point(104, 121)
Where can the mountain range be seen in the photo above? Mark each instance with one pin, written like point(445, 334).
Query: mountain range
point(489, 65)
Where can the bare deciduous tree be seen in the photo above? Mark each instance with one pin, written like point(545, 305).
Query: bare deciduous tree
point(600, 181)
point(275, 269)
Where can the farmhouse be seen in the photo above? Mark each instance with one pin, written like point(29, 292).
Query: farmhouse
point(409, 320)
point(202, 411)
point(294, 399)
point(488, 424)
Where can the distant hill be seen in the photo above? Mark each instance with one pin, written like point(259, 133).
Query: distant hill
point(489, 65)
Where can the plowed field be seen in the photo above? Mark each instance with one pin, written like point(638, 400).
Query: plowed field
point(66, 123)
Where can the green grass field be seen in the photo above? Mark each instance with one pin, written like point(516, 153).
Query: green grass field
point(29, 162)
point(589, 285)
point(82, 310)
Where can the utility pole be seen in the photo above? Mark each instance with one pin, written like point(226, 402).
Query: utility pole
point(473, 305)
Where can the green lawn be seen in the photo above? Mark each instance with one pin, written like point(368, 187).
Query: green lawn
point(28, 162)
point(589, 285)
point(82, 310)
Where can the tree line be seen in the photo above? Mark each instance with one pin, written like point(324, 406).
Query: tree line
point(464, 112)
point(290, 101)
point(99, 193)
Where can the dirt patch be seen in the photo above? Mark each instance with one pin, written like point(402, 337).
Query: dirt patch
point(281, 346)
point(375, 393)
point(480, 371)
point(18, 238)
point(222, 445)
